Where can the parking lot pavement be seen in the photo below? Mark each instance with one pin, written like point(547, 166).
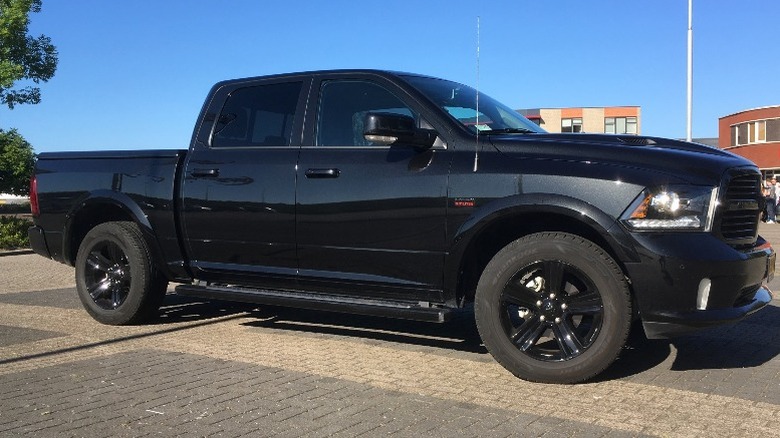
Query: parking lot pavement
point(221, 369)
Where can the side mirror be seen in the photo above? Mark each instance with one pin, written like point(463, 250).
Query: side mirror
point(389, 128)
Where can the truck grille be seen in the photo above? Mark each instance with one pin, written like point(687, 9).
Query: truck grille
point(741, 209)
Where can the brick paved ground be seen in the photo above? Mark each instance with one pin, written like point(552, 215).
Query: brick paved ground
point(220, 369)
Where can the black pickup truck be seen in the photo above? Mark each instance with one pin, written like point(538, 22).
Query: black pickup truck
point(399, 195)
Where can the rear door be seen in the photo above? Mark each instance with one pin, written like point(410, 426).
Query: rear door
point(238, 207)
point(370, 218)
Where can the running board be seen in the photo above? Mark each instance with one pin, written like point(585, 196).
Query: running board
point(329, 303)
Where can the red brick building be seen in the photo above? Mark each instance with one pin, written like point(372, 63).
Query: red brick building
point(755, 135)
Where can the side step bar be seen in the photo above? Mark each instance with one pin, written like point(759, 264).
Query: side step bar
point(329, 303)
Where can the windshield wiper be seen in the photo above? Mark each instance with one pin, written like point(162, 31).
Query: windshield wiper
point(508, 131)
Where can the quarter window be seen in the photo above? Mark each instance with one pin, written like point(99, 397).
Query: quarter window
point(257, 116)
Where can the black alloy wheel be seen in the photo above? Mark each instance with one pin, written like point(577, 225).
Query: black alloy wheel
point(107, 275)
point(116, 276)
point(553, 307)
point(551, 311)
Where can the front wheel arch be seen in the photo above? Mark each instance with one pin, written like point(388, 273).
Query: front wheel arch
point(475, 249)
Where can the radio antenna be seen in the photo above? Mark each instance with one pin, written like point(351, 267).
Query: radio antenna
point(476, 147)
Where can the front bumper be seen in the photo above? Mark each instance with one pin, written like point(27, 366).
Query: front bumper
point(690, 281)
point(666, 325)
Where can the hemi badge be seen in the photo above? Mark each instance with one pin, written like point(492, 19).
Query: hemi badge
point(464, 202)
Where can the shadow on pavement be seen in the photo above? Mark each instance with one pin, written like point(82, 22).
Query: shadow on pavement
point(185, 313)
point(459, 334)
point(179, 309)
point(747, 344)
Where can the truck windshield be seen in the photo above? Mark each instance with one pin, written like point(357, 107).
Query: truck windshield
point(460, 102)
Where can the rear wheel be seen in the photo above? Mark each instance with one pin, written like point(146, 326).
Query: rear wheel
point(116, 278)
point(553, 307)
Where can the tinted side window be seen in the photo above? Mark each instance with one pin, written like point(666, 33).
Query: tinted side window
point(343, 108)
point(257, 116)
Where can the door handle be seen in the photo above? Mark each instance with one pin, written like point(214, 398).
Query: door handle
point(200, 173)
point(323, 173)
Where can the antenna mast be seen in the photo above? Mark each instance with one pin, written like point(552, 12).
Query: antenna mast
point(476, 148)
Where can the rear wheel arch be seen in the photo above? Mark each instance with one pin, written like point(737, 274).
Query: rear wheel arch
point(100, 208)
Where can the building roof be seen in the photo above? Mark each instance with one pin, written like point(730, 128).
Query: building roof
point(751, 109)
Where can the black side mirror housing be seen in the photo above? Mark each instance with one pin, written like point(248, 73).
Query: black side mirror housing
point(389, 128)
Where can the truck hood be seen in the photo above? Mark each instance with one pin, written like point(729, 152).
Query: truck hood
point(678, 160)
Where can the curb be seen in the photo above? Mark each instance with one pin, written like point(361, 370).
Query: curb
point(14, 252)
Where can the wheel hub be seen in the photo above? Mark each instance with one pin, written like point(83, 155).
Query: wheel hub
point(551, 308)
point(115, 274)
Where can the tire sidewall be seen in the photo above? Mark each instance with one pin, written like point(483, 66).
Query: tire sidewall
point(593, 263)
point(120, 234)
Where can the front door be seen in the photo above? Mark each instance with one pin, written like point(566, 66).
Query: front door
point(368, 215)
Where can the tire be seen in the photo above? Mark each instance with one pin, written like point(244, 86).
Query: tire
point(553, 308)
point(116, 278)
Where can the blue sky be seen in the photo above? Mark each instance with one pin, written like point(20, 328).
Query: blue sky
point(133, 74)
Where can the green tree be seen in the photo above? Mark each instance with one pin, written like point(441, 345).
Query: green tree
point(16, 163)
point(23, 57)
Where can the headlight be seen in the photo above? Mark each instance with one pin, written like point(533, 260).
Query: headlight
point(673, 208)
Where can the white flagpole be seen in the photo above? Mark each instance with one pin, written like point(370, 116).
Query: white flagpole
point(690, 67)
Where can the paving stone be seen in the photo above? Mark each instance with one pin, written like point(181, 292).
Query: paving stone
point(75, 397)
point(218, 369)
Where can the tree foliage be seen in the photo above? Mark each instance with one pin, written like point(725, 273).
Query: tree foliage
point(23, 57)
point(17, 162)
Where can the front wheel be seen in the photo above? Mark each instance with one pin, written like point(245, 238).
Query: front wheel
point(553, 307)
point(116, 279)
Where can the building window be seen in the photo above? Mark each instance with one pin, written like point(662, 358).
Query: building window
point(571, 125)
point(773, 130)
point(760, 131)
point(742, 133)
point(620, 125)
point(756, 131)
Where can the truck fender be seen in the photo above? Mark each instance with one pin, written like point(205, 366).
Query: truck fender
point(102, 198)
point(537, 209)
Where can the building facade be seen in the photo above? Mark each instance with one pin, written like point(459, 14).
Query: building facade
point(755, 135)
point(609, 120)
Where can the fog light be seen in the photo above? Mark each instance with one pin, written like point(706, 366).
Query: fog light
point(704, 294)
